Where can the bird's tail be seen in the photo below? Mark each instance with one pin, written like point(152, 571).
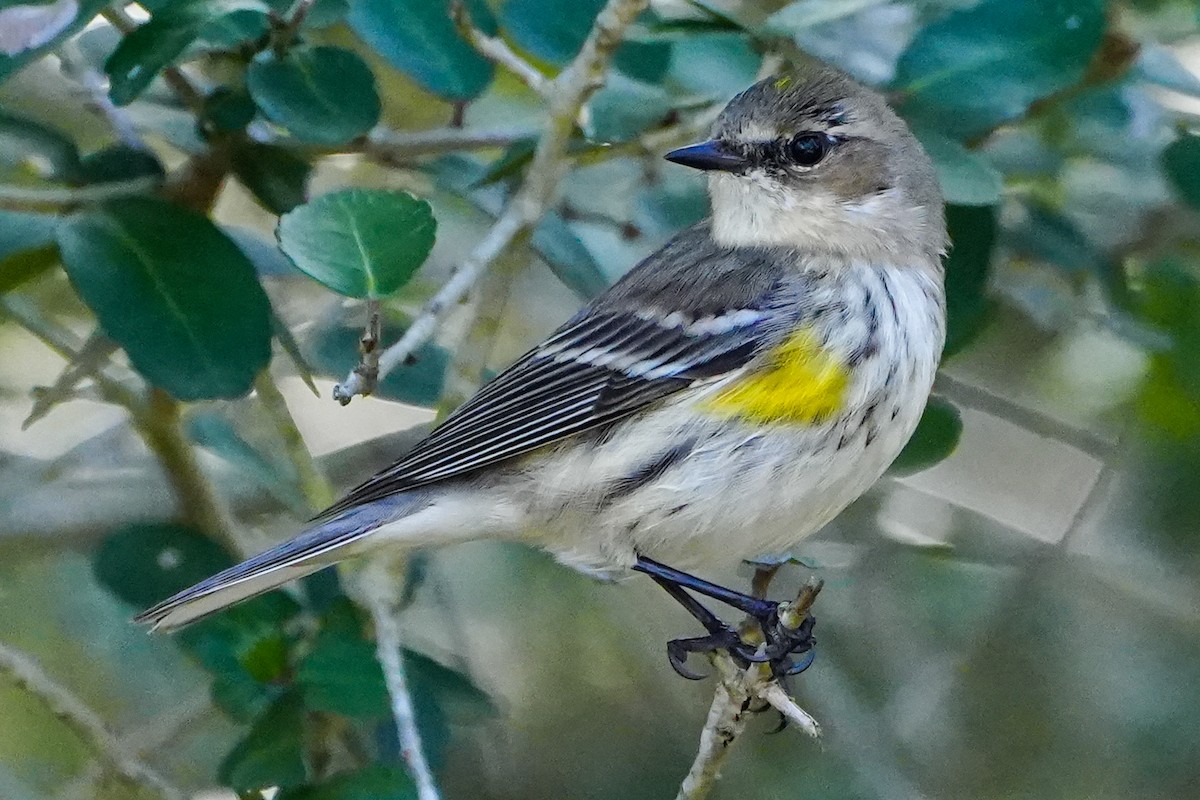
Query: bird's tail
point(325, 543)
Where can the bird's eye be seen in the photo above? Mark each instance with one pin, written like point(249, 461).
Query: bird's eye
point(806, 149)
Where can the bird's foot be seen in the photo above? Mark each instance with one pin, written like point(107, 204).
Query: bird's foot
point(787, 651)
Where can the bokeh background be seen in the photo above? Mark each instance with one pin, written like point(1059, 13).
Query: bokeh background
point(1013, 612)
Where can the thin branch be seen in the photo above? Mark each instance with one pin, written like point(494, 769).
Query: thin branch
point(312, 482)
point(566, 97)
point(365, 377)
point(496, 50)
point(736, 692)
point(965, 394)
point(379, 588)
point(67, 195)
point(28, 674)
point(91, 358)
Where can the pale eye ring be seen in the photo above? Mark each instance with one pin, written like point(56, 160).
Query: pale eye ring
point(807, 149)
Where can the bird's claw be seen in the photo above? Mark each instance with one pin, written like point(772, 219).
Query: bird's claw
point(781, 644)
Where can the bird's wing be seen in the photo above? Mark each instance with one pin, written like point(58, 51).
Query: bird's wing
point(596, 369)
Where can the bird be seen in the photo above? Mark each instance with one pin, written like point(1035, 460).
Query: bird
point(724, 399)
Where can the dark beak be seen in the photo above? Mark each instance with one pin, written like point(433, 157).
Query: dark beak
point(708, 155)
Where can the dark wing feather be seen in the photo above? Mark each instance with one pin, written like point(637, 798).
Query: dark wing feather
point(558, 390)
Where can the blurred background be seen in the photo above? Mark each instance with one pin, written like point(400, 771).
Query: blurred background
point(1013, 612)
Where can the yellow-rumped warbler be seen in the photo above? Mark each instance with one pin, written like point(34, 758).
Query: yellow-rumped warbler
point(726, 398)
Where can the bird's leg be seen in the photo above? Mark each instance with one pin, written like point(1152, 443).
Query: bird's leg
point(781, 641)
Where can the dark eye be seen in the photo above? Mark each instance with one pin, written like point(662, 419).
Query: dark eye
point(806, 149)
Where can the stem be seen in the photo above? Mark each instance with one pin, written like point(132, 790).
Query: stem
point(69, 195)
point(379, 588)
point(313, 484)
point(160, 423)
point(29, 675)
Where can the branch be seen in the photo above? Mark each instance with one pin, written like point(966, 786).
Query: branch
point(496, 50)
point(66, 195)
point(313, 484)
point(28, 674)
point(379, 590)
point(92, 357)
point(566, 97)
point(735, 694)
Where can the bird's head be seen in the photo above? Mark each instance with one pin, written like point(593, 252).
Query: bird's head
point(813, 160)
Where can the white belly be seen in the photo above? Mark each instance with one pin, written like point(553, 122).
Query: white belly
point(742, 490)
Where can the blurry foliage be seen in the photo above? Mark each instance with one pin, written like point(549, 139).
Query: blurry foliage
point(1073, 185)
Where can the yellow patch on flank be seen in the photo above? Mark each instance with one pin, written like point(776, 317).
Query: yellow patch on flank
point(801, 384)
point(782, 83)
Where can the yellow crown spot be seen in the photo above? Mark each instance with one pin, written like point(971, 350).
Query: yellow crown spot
point(801, 384)
point(782, 83)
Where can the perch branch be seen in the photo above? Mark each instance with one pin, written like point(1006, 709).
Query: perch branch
point(29, 675)
point(566, 96)
point(736, 691)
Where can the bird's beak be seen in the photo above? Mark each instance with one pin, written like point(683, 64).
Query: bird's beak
point(708, 156)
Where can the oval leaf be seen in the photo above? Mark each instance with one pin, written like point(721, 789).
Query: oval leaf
point(418, 38)
point(973, 235)
point(174, 291)
point(935, 438)
point(143, 53)
point(324, 95)
point(967, 179)
point(359, 242)
point(982, 66)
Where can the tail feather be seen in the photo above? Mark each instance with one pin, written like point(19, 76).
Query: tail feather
point(318, 547)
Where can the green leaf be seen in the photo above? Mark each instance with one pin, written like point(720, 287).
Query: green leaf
point(568, 259)
point(27, 246)
point(24, 140)
point(359, 242)
point(277, 177)
point(419, 39)
point(157, 44)
point(214, 432)
point(172, 290)
point(1046, 235)
point(227, 110)
point(144, 563)
point(340, 673)
point(33, 45)
point(119, 162)
point(1181, 162)
point(272, 752)
point(972, 237)
point(324, 95)
point(935, 438)
point(967, 179)
point(334, 352)
point(982, 66)
point(624, 108)
point(374, 782)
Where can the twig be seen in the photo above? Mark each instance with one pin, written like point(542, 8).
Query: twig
point(567, 95)
point(379, 589)
point(312, 482)
point(64, 195)
point(496, 50)
point(965, 394)
point(365, 377)
point(86, 723)
point(735, 693)
point(91, 358)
